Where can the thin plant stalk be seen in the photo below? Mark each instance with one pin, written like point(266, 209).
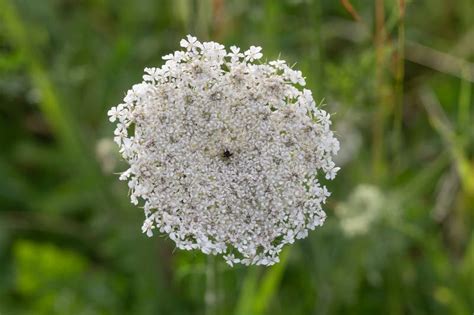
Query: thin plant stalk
point(211, 294)
point(400, 74)
point(379, 117)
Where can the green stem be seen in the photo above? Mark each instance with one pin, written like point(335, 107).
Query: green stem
point(211, 296)
point(464, 102)
point(400, 74)
point(380, 115)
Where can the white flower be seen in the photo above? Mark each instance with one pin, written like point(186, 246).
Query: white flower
point(253, 53)
point(278, 64)
point(191, 43)
point(331, 174)
point(235, 54)
point(296, 77)
point(113, 113)
point(225, 154)
point(147, 227)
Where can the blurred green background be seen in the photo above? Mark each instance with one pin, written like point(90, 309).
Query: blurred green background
point(397, 76)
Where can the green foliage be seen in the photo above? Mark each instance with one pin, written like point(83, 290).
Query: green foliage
point(399, 238)
point(57, 281)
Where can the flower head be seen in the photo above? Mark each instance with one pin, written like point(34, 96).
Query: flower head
point(225, 154)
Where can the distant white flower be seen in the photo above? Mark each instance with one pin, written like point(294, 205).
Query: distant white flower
point(363, 208)
point(106, 154)
point(225, 155)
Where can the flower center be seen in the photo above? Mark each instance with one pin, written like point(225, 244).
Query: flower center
point(226, 154)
